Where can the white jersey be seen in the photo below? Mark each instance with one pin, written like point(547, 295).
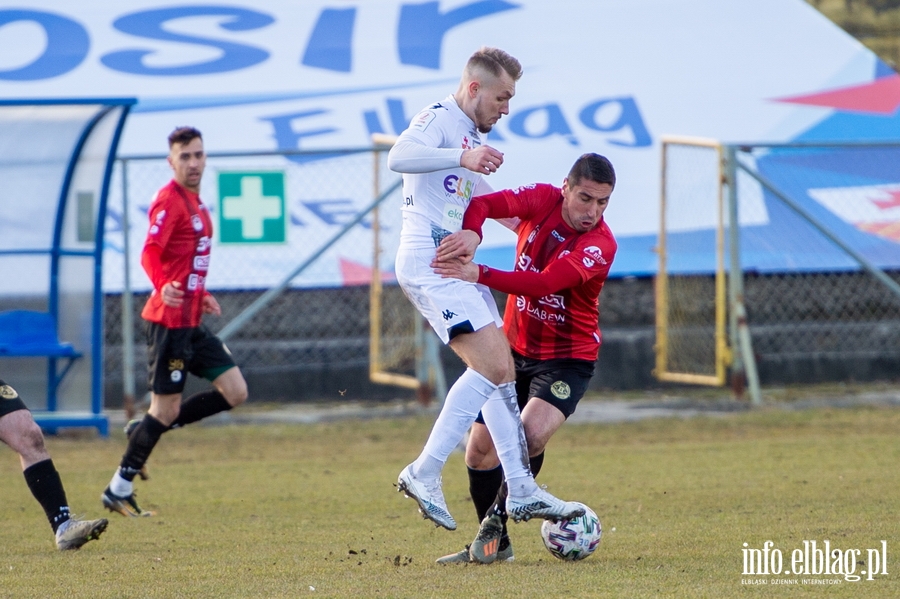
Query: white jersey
point(434, 200)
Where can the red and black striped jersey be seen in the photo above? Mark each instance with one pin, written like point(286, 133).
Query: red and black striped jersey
point(177, 248)
point(553, 305)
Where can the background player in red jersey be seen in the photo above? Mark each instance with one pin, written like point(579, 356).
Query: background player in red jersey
point(176, 258)
point(19, 430)
point(563, 255)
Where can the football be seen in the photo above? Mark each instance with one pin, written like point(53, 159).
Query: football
point(572, 539)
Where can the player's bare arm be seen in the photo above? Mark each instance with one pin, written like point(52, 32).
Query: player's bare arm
point(483, 160)
point(458, 246)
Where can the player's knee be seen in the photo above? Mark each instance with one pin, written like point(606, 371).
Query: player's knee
point(31, 443)
point(237, 393)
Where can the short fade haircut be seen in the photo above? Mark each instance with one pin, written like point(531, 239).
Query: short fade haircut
point(494, 60)
point(592, 167)
point(183, 136)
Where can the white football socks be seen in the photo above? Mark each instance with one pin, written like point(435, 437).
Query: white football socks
point(120, 487)
point(501, 415)
point(464, 400)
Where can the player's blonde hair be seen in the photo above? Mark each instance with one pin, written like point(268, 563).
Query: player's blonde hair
point(494, 61)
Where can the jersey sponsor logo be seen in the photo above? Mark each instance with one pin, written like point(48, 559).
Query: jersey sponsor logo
point(524, 262)
point(423, 119)
point(453, 217)
point(461, 187)
point(154, 230)
point(197, 223)
point(563, 254)
point(465, 143)
point(204, 244)
point(201, 262)
point(596, 253)
point(520, 303)
point(447, 314)
point(553, 301)
point(408, 201)
point(176, 364)
point(557, 236)
point(587, 262)
point(7, 392)
point(175, 376)
point(533, 234)
point(561, 390)
point(544, 316)
point(196, 282)
point(524, 187)
point(160, 216)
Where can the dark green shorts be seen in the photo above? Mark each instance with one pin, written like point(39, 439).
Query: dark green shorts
point(172, 353)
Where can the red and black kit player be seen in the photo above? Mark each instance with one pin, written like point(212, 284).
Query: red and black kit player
point(176, 258)
point(564, 252)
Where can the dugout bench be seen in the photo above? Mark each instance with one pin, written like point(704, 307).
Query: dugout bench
point(32, 334)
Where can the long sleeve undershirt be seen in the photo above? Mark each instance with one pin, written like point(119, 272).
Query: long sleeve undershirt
point(411, 156)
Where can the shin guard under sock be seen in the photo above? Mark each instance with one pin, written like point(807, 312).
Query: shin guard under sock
point(44, 482)
point(140, 445)
point(483, 488)
point(199, 406)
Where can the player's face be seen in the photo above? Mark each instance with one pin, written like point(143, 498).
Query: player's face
point(584, 203)
point(492, 98)
point(188, 161)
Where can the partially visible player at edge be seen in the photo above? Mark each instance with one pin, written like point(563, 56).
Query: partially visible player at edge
point(443, 158)
point(19, 430)
point(564, 252)
point(176, 258)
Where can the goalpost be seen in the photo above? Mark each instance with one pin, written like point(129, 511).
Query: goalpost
point(810, 228)
point(691, 344)
point(399, 342)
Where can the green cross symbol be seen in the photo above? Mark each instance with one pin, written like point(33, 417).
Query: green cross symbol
point(252, 207)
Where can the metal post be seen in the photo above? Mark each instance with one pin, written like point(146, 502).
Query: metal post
point(127, 306)
point(744, 364)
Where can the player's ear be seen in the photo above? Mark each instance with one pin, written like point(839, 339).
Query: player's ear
point(473, 88)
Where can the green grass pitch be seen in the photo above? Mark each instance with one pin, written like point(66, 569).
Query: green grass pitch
point(311, 511)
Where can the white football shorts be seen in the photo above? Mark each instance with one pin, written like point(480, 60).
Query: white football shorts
point(450, 305)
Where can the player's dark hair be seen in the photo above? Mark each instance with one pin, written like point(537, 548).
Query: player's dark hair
point(494, 60)
point(183, 135)
point(592, 167)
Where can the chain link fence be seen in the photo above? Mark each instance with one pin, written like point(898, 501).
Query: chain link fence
point(312, 341)
point(831, 314)
point(819, 259)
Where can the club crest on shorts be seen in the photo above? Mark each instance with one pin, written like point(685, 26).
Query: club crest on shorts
point(7, 392)
point(560, 390)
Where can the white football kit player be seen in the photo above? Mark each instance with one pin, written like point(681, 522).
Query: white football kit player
point(436, 192)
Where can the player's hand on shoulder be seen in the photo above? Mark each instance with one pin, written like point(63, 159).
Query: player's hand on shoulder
point(483, 160)
point(458, 246)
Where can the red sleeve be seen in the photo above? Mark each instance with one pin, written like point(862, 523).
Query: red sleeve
point(492, 205)
point(161, 216)
point(151, 260)
point(556, 277)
